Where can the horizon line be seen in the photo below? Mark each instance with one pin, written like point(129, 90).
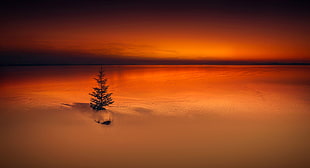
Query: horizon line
point(293, 63)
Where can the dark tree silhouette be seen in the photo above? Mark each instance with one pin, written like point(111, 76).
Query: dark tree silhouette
point(100, 96)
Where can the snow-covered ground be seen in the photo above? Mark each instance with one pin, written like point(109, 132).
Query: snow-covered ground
point(163, 116)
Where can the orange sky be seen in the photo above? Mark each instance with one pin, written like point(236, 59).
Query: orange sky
point(179, 37)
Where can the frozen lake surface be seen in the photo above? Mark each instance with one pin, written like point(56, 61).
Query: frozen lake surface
point(163, 116)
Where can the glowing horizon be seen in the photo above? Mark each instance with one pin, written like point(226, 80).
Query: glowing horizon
point(171, 34)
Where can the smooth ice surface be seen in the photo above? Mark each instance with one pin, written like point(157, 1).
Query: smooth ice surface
point(163, 116)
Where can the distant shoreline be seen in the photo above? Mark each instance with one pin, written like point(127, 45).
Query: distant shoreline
point(151, 64)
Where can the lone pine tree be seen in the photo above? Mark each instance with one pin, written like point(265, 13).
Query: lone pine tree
point(100, 96)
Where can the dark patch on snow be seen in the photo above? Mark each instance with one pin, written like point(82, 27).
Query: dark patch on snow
point(108, 122)
point(65, 104)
